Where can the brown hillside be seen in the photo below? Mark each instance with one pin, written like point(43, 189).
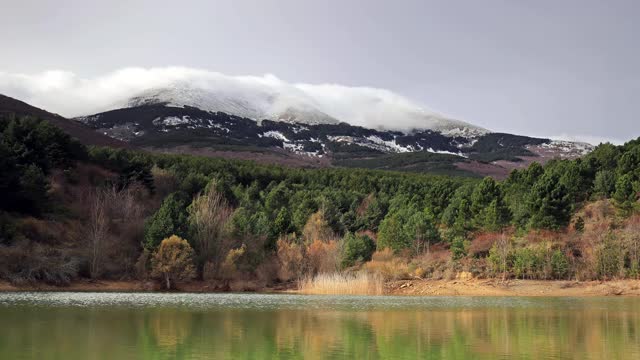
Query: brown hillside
point(77, 130)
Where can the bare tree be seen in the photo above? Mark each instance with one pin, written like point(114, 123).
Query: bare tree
point(503, 247)
point(208, 215)
point(112, 211)
point(97, 230)
point(632, 243)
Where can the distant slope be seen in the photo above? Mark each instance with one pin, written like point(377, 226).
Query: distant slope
point(184, 129)
point(293, 106)
point(171, 128)
point(83, 133)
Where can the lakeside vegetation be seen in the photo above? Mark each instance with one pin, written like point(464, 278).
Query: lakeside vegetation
point(72, 212)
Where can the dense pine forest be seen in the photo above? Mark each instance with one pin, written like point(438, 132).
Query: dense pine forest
point(69, 211)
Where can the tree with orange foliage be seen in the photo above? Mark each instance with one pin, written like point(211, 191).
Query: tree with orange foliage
point(317, 228)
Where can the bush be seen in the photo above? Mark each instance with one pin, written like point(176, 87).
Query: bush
point(385, 264)
point(356, 249)
point(229, 266)
point(38, 263)
point(323, 257)
point(459, 248)
point(290, 258)
point(173, 261)
point(609, 259)
point(559, 265)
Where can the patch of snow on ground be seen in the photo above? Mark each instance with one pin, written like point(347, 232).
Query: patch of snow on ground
point(446, 152)
point(172, 120)
point(465, 132)
point(275, 135)
point(389, 144)
point(569, 147)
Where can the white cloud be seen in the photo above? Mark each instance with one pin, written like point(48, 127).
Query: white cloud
point(71, 95)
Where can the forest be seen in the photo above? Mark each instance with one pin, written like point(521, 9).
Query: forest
point(71, 212)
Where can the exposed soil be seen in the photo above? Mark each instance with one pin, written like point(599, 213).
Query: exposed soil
point(492, 287)
point(470, 287)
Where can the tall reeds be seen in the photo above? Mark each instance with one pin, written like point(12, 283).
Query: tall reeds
point(343, 284)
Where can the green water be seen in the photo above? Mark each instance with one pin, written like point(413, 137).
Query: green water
point(241, 326)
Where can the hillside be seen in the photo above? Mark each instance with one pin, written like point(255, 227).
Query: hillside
point(70, 212)
point(11, 106)
point(170, 128)
point(192, 130)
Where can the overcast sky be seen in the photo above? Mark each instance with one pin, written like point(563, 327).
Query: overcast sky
point(566, 68)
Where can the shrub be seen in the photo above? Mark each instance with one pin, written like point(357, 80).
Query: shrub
point(229, 265)
point(173, 261)
point(34, 263)
point(524, 263)
point(559, 265)
point(356, 249)
point(385, 264)
point(499, 256)
point(323, 257)
point(291, 259)
point(579, 224)
point(458, 248)
point(317, 228)
point(609, 259)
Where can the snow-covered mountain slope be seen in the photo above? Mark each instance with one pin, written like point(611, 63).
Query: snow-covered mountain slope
point(158, 122)
point(284, 104)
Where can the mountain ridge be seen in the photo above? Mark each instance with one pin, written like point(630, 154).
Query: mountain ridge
point(165, 127)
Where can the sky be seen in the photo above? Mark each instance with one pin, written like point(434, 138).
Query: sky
point(554, 68)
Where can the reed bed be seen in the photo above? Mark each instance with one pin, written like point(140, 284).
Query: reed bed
point(343, 284)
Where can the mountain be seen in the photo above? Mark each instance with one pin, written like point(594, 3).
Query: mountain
point(83, 133)
point(161, 123)
point(286, 105)
point(197, 122)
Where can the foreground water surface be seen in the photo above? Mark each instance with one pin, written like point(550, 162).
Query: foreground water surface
point(253, 326)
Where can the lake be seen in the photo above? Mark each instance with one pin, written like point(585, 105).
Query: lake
point(252, 326)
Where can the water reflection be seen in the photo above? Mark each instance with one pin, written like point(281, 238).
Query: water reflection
point(542, 328)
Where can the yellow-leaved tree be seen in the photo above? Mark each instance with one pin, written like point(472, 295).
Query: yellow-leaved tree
point(173, 261)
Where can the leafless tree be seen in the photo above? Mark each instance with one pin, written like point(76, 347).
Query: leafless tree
point(632, 242)
point(503, 247)
point(208, 215)
point(115, 225)
point(97, 230)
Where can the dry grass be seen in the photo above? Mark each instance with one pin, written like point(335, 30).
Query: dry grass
point(343, 284)
point(383, 263)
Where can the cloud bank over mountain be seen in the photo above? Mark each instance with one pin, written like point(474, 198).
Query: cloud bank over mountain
point(71, 95)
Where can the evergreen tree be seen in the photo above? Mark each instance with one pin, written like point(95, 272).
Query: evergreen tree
point(625, 195)
point(392, 235)
point(356, 249)
point(549, 203)
point(421, 231)
point(604, 183)
point(171, 219)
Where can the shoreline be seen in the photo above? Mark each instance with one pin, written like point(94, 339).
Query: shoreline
point(471, 287)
